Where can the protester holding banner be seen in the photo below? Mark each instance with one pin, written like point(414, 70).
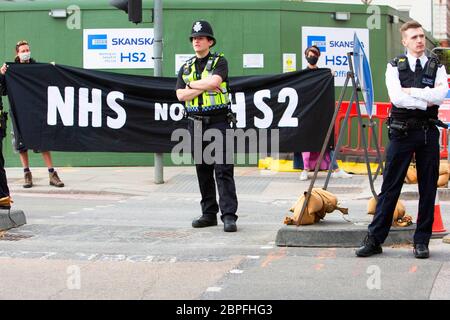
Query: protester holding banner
point(5, 199)
point(416, 85)
point(203, 86)
point(310, 159)
point(23, 56)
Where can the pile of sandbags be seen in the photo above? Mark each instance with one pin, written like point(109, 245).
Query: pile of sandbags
point(401, 219)
point(411, 175)
point(320, 203)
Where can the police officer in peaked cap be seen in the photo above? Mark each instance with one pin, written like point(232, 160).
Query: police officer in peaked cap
point(202, 85)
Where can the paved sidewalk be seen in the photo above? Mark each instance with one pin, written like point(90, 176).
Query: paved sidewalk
point(131, 239)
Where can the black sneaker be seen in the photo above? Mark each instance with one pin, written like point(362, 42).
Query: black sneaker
point(421, 251)
point(205, 221)
point(229, 224)
point(370, 246)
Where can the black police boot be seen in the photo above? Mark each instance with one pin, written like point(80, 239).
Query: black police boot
point(370, 246)
point(205, 221)
point(421, 251)
point(229, 223)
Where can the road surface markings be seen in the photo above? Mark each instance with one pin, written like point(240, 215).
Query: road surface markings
point(214, 289)
point(236, 271)
point(413, 269)
point(319, 266)
point(273, 256)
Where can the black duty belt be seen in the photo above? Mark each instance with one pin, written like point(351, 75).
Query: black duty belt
point(415, 124)
point(211, 119)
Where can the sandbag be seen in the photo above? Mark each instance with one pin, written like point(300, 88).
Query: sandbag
point(320, 203)
point(400, 219)
point(443, 179)
point(444, 174)
point(411, 175)
point(443, 167)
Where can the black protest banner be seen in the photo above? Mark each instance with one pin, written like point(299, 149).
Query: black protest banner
point(62, 108)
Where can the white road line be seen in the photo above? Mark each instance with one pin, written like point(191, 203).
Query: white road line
point(236, 271)
point(214, 289)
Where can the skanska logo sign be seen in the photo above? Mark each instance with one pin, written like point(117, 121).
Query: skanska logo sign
point(319, 41)
point(97, 41)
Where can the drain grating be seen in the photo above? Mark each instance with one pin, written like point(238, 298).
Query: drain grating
point(13, 237)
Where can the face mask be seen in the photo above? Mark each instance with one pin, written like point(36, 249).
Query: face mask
point(25, 56)
point(312, 60)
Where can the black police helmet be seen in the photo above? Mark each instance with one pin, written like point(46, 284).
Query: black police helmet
point(202, 28)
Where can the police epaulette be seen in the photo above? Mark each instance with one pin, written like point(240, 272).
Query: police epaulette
point(394, 62)
point(190, 60)
point(398, 60)
point(436, 59)
point(212, 60)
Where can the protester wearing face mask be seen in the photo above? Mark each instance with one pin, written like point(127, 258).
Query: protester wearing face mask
point(310, 159)
point(23, 55)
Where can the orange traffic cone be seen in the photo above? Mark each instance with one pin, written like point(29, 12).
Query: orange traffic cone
point(438, 226)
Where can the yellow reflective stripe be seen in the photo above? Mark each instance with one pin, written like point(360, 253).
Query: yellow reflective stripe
point(210, 98)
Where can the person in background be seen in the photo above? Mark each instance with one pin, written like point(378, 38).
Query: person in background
point(5, 199)
point(309, 159)
point(23, 55)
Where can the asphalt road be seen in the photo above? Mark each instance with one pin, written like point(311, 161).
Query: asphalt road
point(112, 234)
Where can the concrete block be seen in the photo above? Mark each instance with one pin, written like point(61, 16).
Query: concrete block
point(13, 219)
point(337, 234)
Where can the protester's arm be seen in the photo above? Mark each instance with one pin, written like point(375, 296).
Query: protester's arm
point(3, 69)
point(396, 93)
point(3, 91)
point(436, 95)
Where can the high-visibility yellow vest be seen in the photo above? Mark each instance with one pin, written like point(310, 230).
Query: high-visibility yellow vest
point(211, 100)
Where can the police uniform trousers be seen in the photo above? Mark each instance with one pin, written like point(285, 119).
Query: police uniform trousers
point(222, 170)
point(4, 190)
point(424, 143)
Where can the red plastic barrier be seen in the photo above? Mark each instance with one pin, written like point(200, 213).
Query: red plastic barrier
point(352, 142)
point(380, 113)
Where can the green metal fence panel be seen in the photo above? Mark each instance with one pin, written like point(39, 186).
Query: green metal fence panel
point(268, 27)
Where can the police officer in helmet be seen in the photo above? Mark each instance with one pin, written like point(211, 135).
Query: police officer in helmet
point(203, 85)
point(417, 85)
